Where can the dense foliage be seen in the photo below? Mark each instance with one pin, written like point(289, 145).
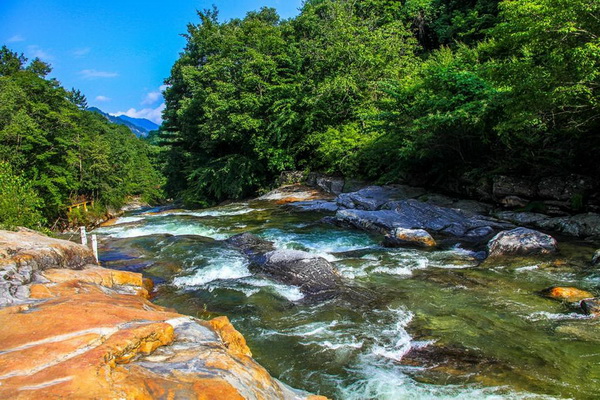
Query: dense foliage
point(384, 89)
point(54, 153)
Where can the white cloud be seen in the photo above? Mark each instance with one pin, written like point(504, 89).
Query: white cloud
point(153, 97)
point(16, 38)
point(81, 52)
point(103, 98)
point(35, 51)
point(92, 74)
point(153, 114)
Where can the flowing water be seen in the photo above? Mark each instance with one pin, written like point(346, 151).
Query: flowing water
point(442, 325)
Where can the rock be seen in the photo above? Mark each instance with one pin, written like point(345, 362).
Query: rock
point(80, 337)
point(591, 306)
point(330, 184)
point(374, 197)
point(569, 294)
point(514, 186)
point(413, 214)
point(596, 258)
point(313, 275)
point(315, 206)
point(293, 193)
point(514, 202)
point(521, 241)
point(290, 177)
point(23, 254)
point(580, 225)
point(565, 188)
point(409, 237)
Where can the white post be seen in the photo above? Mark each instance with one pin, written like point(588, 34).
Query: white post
point(95, 246)
point(83, 234)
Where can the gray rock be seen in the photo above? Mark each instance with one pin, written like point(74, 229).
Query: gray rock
point(580, 225)
point(409, 237)
point(514, 186)
point(591, 306)
point(331, 184)
point(413, 214)
point(514, 202)
point(373, 198)
point(521, 241)
point(312, 274)
point(314, 205)
point(565, 187)
point(596, 258)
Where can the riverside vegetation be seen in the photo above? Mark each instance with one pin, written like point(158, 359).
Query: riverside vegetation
point(53, 152)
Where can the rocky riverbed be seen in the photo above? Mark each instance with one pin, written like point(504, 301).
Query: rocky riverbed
point(385, 292)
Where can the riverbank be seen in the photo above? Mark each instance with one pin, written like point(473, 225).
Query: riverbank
point(72, 329)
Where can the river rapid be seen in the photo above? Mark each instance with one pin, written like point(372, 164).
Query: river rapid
point(442, 326)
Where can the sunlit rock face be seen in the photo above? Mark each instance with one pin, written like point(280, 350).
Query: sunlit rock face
point(89, 332)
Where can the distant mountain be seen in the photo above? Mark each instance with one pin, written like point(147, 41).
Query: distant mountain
point(140, 122)
point(139, 126)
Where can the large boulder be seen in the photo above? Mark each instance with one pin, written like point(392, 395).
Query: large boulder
point(314, 206)
point(521, 241)
point(313, 275)
point(414, 214)
point(374, 197)
point(579, 225)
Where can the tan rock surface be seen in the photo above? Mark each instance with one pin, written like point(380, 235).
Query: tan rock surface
point(92, 334)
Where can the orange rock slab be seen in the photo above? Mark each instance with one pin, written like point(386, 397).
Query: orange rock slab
point(569, 294)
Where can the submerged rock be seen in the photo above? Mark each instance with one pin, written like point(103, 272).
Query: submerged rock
point(409, 237)
point(521, 241)
point(569, 294)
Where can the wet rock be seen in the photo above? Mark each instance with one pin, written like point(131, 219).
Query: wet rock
point(374, 197)
point(521, 241)
point(312, 274)
point(293, 193)
point(409, 237)
point(596, 258)
point(414, 214)
point(315, 206)
point(569, 294)
point(251, 245)
point(591, 306)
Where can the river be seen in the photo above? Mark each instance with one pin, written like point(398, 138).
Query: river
point(442, 326)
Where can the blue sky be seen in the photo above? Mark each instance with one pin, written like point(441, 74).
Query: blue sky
point(117, 53)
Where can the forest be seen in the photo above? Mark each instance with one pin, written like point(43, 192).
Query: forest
point(383, 90)
point(53, 152)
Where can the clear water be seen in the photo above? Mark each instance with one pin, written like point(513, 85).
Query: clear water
point(442, 326)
